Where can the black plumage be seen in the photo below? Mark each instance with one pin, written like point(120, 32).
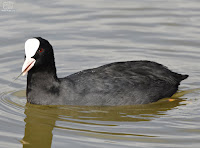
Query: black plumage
point(119, 83)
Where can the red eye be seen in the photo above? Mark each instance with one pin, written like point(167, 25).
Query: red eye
point(41, 49)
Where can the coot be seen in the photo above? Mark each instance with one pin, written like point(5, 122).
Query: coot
point(119, 83)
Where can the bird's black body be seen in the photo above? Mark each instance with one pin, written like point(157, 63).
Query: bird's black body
point(120, 83)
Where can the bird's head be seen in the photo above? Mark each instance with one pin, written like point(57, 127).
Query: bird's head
point(38, 54)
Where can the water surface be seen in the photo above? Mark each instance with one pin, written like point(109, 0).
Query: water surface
point(87, 34)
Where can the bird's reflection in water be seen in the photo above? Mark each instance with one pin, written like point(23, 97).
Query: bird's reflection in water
point(41, 120)
point(39, 126)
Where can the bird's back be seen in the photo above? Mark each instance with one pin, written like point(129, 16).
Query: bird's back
point(121, 83)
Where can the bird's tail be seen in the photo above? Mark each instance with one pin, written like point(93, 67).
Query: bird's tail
point(183, 77)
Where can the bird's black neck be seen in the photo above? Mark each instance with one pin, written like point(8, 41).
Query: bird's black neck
point(41, 80)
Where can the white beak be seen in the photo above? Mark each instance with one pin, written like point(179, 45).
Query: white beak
point(28, 64)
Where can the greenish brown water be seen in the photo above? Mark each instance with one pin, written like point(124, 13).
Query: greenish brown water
point(88, 34)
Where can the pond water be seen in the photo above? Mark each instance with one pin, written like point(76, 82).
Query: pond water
point(90, 33)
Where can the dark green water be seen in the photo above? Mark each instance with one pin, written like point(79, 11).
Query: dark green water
point(87, 34)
